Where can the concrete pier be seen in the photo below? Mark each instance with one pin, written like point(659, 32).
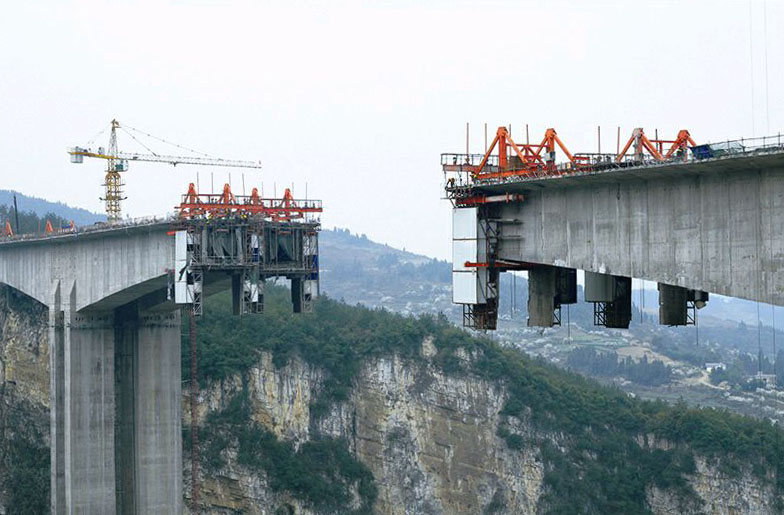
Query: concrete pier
point(541, 296)
point(157, 414)
point(116, 423)
point(88, 422)
point(148, 428)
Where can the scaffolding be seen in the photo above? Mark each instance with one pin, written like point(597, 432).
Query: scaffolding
point(250, 239)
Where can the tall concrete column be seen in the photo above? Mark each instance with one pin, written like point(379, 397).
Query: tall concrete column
point(57, 399)
point(148, 437)
point(125, 365)
point(158, 414)
point(116, 410)
point(88, 408)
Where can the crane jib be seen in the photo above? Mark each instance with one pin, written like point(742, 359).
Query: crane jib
point(173, 160)
point(118, 162)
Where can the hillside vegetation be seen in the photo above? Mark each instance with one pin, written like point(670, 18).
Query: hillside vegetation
point(596, 465)
point(47, 209)
point(29, 222)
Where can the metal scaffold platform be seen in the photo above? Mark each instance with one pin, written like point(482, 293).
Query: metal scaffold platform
point(247, 240)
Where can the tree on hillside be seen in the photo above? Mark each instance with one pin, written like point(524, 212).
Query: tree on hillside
point(29, 222)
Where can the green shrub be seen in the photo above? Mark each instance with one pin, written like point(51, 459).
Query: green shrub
point(322, 472)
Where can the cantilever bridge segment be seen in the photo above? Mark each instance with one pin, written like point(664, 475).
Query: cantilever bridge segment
point(115, 293)
point(695, 218)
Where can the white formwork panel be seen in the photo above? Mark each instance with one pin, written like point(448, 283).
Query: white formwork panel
point(310, 245)
point(252, 289)
point(180, 245)
point(463, 251)
point(465, 287)
point(465, 280)
point(181, 292)
point(464, 223)
point(180, 268)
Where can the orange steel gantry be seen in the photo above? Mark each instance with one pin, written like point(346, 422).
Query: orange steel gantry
point(512, 159)
point(286, 209)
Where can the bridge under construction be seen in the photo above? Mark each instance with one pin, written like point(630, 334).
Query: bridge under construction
point(695, 218)
point(115, 294)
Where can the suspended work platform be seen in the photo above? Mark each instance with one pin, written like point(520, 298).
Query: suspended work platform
point(247, 240)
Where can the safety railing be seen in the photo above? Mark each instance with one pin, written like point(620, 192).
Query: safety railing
point(459, 168)
point(94, 228)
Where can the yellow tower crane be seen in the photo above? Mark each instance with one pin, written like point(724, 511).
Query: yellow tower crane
point(117, 162)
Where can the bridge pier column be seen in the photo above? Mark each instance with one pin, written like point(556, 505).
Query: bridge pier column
point(549, 287)
point(88, 413)
point(541, 296)
point(149, 407)
point(159, 414)
point(115, 409)
point(57, 394)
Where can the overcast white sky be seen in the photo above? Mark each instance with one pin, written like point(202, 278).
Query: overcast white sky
point(358, 99)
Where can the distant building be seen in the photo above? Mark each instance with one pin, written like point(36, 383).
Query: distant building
point(710, 367)
point(768, 379)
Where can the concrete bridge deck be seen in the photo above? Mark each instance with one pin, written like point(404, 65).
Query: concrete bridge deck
point(111, 264)
point(650, 171)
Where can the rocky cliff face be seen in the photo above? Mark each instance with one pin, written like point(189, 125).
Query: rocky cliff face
point(431, 442)
point(718, 493)
point(24, 404)
point(430, 439)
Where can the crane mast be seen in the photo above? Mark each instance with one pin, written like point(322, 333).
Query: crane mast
point(113, 184)
point(117, 162)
